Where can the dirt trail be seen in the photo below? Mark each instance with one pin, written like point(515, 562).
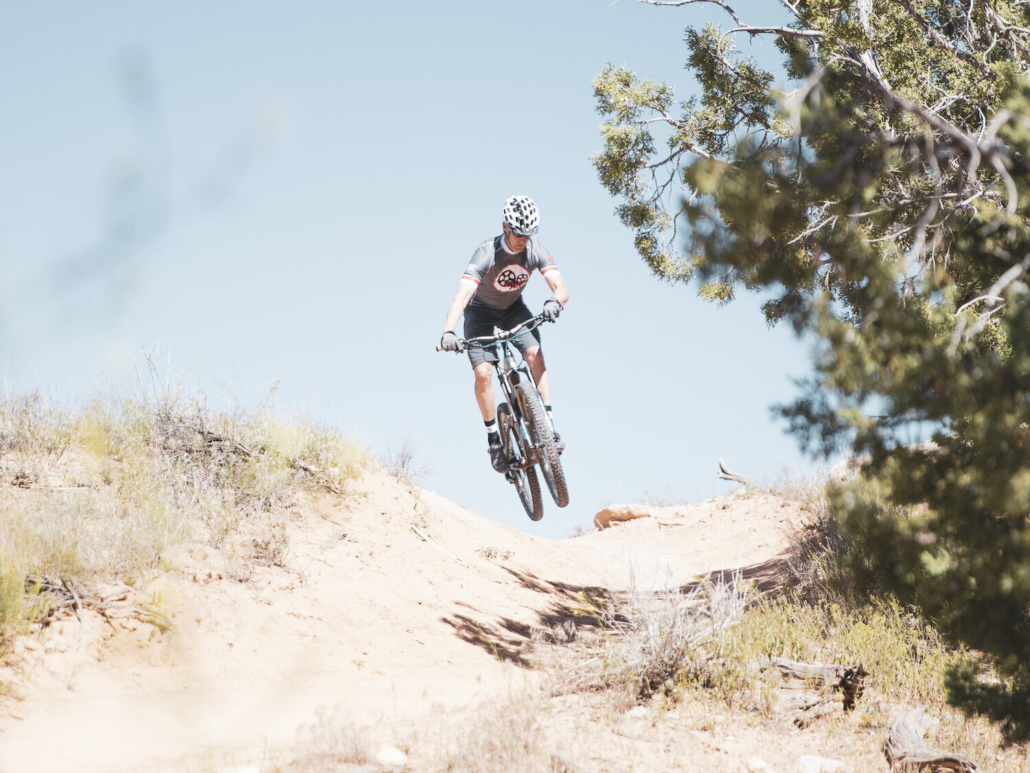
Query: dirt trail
point(390, 601)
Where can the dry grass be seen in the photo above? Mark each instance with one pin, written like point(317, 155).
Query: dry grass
point(104, 492)
point(672, 680)
point(700, 648)
point(649, 642)
point(816, 619)
point(658, 639)
point(507, 734)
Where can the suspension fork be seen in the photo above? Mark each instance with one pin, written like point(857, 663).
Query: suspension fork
point(501, 368)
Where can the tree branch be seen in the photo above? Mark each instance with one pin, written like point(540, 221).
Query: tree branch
point(741, 27)
point(1006, 29)
point(677, 3)
point(942, 41)
point(685, 146)
point(787, 32)
point(996, 290)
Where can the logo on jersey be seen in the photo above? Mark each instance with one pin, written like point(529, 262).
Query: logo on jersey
point(512, 279)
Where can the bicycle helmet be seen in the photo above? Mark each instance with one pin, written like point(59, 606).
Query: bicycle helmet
point(521, 215)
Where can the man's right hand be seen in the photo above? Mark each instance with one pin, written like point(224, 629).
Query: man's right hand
point(449, 342)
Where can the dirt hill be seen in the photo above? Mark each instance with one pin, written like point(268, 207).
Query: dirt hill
point(385, 602)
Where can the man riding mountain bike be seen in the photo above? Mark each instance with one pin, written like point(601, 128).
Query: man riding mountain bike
point(490, 294)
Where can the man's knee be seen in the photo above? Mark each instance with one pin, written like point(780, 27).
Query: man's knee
point(533, 355)
point(484, 374)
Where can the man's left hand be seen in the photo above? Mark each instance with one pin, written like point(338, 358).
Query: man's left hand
point(551, 309)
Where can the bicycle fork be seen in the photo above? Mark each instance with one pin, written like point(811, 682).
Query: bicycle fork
point(511, 376)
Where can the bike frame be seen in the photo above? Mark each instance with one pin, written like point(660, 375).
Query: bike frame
point(510, 374)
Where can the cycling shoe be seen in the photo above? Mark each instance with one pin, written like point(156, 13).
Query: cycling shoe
point(497, 458)
point(559, 444)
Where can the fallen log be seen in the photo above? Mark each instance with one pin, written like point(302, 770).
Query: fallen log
point(845, 679)
point(906, 751)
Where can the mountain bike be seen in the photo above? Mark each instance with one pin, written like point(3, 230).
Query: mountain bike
point(526, 432)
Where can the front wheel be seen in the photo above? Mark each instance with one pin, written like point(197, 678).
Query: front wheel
point(524, 479)
point(543, 439)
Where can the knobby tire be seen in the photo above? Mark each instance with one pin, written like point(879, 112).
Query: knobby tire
point(543, 437)
point(526, 483)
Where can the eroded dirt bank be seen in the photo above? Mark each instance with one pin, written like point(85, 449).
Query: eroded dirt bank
point(383, 603)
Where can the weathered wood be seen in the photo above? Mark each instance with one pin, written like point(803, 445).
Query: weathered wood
point(846, 679)
point(906, 751)
point(802, 718)
point(427, 538)
point(320, 475)
point(732, 476)
point(66, 594)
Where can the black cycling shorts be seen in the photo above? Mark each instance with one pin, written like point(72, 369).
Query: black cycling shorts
point(480, 320)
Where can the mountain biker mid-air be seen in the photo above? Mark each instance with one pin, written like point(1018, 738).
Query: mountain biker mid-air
point(490, 294)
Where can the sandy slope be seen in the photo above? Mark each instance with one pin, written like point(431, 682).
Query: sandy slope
point(366, 618)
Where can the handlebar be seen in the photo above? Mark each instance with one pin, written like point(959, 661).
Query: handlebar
point(504, 335)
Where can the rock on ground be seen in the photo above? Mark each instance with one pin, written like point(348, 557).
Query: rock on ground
point(620, 513)
point(391, 755)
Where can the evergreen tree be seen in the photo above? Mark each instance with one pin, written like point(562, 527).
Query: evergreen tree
point(884, 206)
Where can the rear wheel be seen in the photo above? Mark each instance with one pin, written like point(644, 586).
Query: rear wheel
point(525, 479)
point(543, 439)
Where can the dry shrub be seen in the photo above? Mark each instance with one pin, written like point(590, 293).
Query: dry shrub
point(103, 493)
point(660, 638)
point(650, 641)
point(401, 465)
point(507, 734)
point(33, 426)
point(16, 611)
point(817, 549)
point(329, 741)
point(905, 656)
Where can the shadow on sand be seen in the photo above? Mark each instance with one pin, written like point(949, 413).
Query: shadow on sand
point(507, 639)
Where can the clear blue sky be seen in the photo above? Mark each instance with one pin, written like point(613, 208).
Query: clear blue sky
point(266, 191)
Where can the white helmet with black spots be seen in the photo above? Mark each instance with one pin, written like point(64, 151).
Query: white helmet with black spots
point(521, 215)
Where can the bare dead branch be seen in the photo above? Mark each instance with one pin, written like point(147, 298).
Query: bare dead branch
point(427, 538)
point(64, 594)
point(685, 147)
point(1006, 30)
point(725, 474)
point(677, 3)
point(741, 27)
point(906, 751)
point(938, 38)
point(787, 32)
point(321, 476)
point(1010, 276)
point(973, 302)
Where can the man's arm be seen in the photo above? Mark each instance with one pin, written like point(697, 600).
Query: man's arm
point(557, 285)
point(466, 289)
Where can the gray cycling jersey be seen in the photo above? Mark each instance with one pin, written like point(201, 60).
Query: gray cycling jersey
point(501, 275)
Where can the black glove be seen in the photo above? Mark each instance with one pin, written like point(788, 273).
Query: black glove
point(552, 309)
point(449, 342)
